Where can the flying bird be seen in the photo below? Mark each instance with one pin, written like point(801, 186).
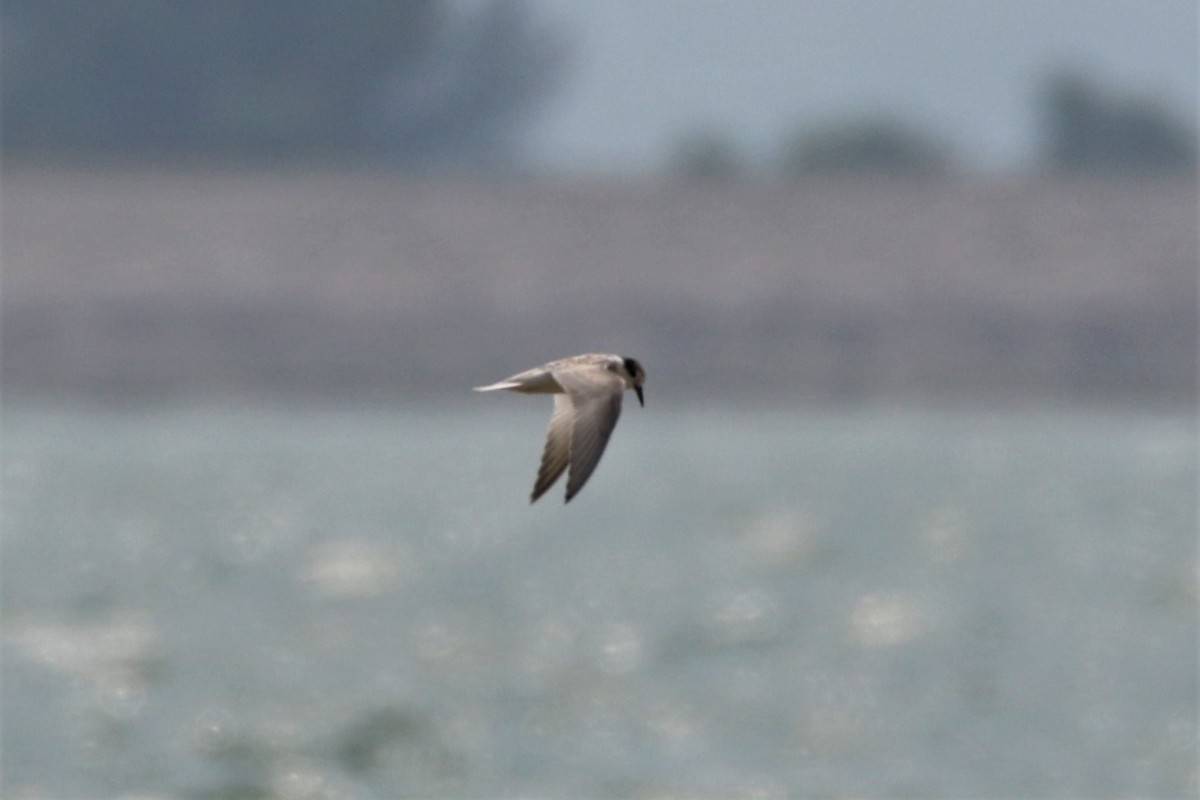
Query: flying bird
point(587, 393)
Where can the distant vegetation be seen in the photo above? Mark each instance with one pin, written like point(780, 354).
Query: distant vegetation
point(419, 81)
point(706, 155)
point(1089, 128)
point(877, 146)
point(429, 83)
point(1083, 126)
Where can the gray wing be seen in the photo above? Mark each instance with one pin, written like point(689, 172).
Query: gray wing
point(530, 381)
point(557, 452)
point(595, 396)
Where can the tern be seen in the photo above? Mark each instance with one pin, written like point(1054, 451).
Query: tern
point(587, 393)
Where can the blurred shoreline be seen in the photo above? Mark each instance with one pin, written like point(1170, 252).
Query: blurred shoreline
point(130, 286)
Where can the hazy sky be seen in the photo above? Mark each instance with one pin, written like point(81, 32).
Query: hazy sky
point(646, 72)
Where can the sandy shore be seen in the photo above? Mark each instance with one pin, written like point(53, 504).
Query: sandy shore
point(328, 285)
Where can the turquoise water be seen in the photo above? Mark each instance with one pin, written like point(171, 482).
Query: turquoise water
point(296, 604)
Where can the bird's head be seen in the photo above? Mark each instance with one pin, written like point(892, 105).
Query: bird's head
point(634, 376)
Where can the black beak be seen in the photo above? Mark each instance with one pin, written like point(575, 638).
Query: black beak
point(641, 400)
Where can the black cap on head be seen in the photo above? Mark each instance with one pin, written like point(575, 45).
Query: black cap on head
point(635, 369)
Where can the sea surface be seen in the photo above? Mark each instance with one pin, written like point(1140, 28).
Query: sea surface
point(296, 603)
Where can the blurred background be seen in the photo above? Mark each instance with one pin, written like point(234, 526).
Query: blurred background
point(911, 509)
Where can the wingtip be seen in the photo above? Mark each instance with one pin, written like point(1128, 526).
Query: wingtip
point(533, 498)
